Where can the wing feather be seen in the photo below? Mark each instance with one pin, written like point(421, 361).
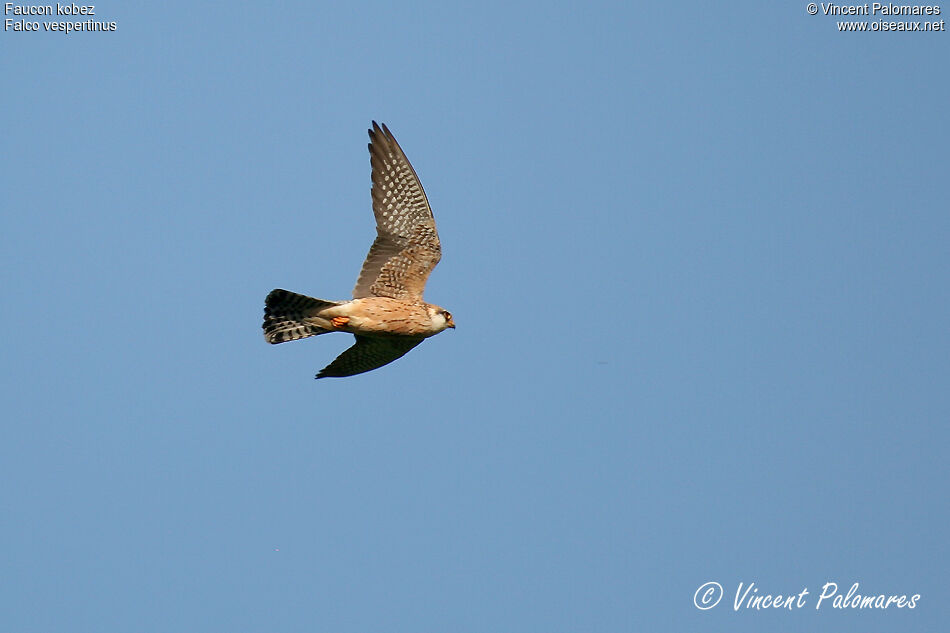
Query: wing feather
point(407, 245)
point(368, 353)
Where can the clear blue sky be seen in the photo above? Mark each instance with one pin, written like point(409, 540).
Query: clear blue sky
point(698, 258)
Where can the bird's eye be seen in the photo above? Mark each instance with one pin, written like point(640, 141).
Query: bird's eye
point(447, 315)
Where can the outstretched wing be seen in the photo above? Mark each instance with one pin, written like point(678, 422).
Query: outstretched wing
point(368, 353)
point(407, 244)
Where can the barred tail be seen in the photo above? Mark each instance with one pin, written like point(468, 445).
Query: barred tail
point(287, 316)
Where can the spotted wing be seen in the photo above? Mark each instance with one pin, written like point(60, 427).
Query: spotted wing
point(407, 244)
point(368, 353)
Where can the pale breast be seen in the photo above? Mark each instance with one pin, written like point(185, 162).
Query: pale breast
point(382, 315)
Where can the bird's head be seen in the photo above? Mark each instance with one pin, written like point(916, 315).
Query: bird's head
point(441, 318)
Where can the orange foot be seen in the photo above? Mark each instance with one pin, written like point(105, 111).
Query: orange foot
point(339, 321)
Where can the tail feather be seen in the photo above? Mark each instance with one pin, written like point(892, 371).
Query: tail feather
point(287, 316)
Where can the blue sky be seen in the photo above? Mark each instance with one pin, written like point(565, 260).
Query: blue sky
point(698, 258)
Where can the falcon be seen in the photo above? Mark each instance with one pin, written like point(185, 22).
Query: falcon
point(387, 314)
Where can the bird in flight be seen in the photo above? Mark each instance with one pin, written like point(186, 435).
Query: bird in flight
point(387, 314)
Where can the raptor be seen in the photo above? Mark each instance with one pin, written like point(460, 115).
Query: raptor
point(387, 314)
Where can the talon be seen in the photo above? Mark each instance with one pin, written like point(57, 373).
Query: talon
point(339, 321)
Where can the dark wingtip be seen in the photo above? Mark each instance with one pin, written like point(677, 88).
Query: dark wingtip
point(380, 129)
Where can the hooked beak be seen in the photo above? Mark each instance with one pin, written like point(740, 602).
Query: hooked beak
point(450, 324)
